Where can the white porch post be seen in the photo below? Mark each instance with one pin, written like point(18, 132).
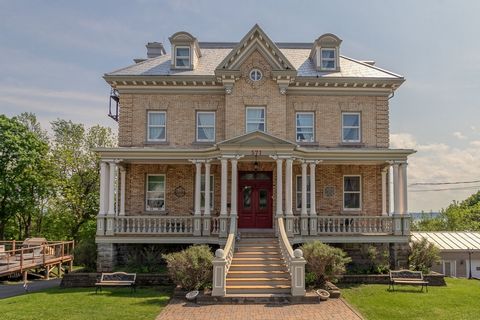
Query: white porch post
point(384, 191)
point(102, 210)
point(279, 205)
point(223, 198)
point(111, 199)
point(313, 205)
point(397, 221)
point(197, 221)
point(288, 197)
point(233, 189)
point(404, 198)
point(206, 212)
point(122, 191)
point(304, 213)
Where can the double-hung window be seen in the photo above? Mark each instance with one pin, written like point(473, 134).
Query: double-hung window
point(351, 127)
point(352, 193)
point(205, 126)
point(202, 191)
point(155, 195)
point(299, 192)
point(328, 59)
point(156, 130)
point(255, 119)
point(182, 57)
point(305, 127)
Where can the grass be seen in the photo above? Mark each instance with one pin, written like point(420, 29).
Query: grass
point(83, 303)
point(458, 300)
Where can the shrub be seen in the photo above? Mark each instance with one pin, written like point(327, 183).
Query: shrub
point(191, 268)
point(423, 255)
point(324, 261)
point(145, 259)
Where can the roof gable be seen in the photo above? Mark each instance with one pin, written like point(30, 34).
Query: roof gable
point(255, 39)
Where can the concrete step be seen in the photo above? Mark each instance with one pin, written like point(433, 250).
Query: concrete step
point(258, 240)
point(257, 273)
point(258, 254)
point(257, 281)
point(258, 266)
point(259, 258)
point(262, 289)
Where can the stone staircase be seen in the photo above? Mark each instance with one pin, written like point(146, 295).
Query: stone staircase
point(257, 269)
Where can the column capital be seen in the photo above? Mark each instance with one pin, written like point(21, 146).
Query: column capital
point(314, 161)
point(397, 162)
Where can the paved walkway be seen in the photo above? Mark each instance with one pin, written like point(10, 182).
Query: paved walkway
point(11, 290)
point(333, 309)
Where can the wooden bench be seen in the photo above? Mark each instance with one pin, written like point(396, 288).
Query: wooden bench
point(407, 277)
point(116, 279)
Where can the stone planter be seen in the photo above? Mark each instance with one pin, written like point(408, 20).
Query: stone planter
point(323, 295)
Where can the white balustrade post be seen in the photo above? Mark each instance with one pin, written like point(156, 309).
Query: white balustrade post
point(223, 198)
point(206, 212)
point(297, 266)
point(219, 274)
point(233, 189)
point(384, 191)
point(122, 191)
point(102, 210)
point(197, 215)
point(111, 199)
point(303, 212)
point(313, 204)
point(288, 197)
point(397, 221)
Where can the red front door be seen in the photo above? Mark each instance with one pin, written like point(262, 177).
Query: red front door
point(255, 199)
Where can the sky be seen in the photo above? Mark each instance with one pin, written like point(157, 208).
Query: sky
point(53, 55)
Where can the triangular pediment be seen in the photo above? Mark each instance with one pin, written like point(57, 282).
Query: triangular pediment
point(255, 40)
point(257, 139)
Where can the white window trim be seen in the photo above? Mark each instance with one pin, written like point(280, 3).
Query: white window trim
point(202, 191)
point(258, 72)
point(156, 126)
point(296, 125)
point(360, 192)
point(334, 59)
point(164, 192)
point(183, 57)
point(264, 118)
point(359, 126)
point(204, 126)
point(298, 194)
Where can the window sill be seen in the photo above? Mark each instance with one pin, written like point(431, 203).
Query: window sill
point(352, 144)
point(156, 142)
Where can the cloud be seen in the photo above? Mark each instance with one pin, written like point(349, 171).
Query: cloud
point(438, 162)
point(459, 135)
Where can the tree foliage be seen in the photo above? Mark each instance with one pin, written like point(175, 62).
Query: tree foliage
point(423, 255)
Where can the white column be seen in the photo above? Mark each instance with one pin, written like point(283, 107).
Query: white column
point(223, 191)
point(233, 188)
point(313, 205)
point(384, 191)
point(279, 211)
point(403, 188)
point(111, 189)
point(396, 189)
point(122, 191)
point(103, 207)
point(288, 187)
point(304, 189)
point(198, 176)
point(207, 189)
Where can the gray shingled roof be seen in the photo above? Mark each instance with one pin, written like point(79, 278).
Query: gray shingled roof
point(451, 241)
point(211, 58)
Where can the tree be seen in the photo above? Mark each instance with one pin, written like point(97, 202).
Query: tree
point(23, 168)
point(77, 167)
point(423, 255)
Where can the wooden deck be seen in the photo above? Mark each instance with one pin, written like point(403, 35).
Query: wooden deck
point(18, 258)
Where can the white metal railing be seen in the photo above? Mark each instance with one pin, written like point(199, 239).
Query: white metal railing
point(153, 225)
point(294, 261)
point(354, 224)
point(223, 260)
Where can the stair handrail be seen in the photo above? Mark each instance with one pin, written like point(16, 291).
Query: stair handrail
point(223, 260)
point(294, 261)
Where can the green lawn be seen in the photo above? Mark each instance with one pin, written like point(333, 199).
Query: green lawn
point(83, 303)
point(460, 299)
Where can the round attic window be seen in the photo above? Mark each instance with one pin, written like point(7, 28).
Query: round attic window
point(256, 75)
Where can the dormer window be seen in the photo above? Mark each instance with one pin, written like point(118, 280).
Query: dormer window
point(182, 57)
point(328, 59)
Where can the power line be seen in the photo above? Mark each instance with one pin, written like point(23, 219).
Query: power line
point(442, 183)
point(447, 189)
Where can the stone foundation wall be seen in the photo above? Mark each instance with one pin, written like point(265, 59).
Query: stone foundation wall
point(106, 257)
point(75, 280)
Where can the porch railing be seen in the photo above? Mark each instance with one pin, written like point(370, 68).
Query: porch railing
point(294, 261)
point(223, 260)
point(153, 225)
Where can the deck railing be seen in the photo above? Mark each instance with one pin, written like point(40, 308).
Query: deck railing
point(294, 261)
point(223, 260)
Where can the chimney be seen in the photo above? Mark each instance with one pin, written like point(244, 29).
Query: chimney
point(155, 49)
